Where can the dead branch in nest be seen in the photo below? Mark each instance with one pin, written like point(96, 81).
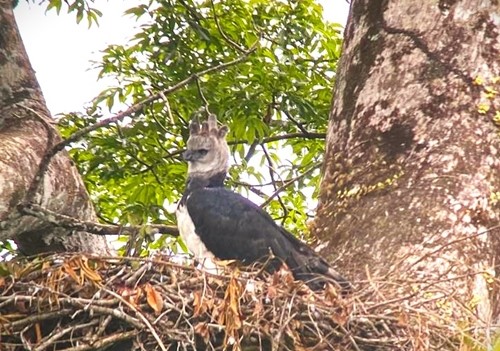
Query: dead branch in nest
point(76, 302)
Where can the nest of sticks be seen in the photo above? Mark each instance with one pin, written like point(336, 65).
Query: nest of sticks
point(79, 302)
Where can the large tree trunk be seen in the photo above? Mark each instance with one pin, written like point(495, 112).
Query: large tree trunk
point(411, 164)
point(26, 133)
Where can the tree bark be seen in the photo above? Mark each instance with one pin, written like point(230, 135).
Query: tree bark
point(412, 160)
point(27, 132)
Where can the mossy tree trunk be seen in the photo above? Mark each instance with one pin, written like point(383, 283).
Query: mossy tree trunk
point(412, 174)
point(27, 131)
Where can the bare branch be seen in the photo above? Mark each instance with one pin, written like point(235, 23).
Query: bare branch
point(140, 315)
point(202, 96)
point(105, 341)
point(299, 125)
point(140, 105)
point(71, 223)
point(50, 340)
point(271, 175)
point(223, 35)
point(287, 184)
point(251, 150)
point(270, 139)
point(44, 164)
point(251, 187)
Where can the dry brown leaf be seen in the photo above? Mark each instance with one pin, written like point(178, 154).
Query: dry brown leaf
point(275, 278)
point(197, 304)
point(136, 296)
point(155, 301)
point(271, 292)
point(331, 293)
point(230, 310)
point(202, 330)
point(54, 280)
point(209, 303)
point(257, 311)
point(89, 272)
point(46, 265)
point(130, 295)
point(341, 315)
point(286, 275)
point(221, 319)
point(403, 319)
point(71, 272)
point(232, 301)
point(225, 263)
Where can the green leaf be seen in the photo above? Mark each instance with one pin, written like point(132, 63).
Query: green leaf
point(133, 169)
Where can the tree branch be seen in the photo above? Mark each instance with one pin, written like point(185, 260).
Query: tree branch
point(251, 150)
point(299, 125)
point(44, 164)
point(202, 96)
point(56, 334)
point(270, 139)
point(105, 341)
point(287, 184)
point(27, 207)
point(140, 105)
point(221, 32)
point(71, 223)
point(271, 175)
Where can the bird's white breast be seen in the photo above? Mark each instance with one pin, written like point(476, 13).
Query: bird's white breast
point(191, 239)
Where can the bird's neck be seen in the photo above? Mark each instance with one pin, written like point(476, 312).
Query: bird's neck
point(214, 181)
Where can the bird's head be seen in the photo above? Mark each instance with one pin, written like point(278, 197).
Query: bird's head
point(207, 151)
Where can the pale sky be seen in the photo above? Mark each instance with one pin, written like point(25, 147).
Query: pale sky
point(61, 51)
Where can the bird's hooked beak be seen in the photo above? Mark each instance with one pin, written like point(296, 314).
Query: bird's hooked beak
point(188, 155)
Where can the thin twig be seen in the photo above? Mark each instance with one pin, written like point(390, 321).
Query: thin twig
point(251, 150)
point(299, 125)
point(202, 96)
point(105, 341)
point(55, 335)
point(282, 137)
point(271, 175)
point(221, 32)
point(141, 316)
point(287, 184)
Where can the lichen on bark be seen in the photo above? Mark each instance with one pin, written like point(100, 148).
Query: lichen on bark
point(405, 116)
point(27, 132)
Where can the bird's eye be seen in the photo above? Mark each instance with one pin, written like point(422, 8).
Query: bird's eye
point(202, 152)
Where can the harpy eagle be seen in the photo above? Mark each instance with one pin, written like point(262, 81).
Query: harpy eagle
point(215, 222)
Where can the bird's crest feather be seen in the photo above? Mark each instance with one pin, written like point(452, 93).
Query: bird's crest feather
point(207, 149)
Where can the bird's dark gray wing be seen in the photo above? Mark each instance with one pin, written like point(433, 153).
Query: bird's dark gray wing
point(232, 227)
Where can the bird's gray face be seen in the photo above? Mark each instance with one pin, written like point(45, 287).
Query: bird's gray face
point(206, 156)
point(207, 151)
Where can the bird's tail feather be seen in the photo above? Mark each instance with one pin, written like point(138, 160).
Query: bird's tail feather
point(345, 285)
point(316, 272)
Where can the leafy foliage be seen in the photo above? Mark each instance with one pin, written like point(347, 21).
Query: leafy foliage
point(81, 8)
point(275, 103)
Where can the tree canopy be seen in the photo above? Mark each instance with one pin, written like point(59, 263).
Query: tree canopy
point(270, 71)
